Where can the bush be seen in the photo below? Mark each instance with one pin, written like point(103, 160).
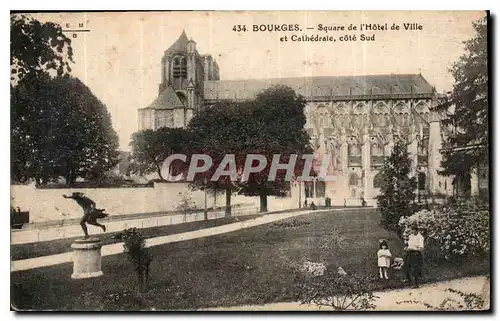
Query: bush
point(459, 231)
point(185, 203)
point(341, 292)
point(134, 246)
point(291, 223)
point(463, 301)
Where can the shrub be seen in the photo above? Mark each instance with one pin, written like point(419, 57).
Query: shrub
point(465, 301)
point(341, 292)
point(458, 231)
point(135, 247)
point(185, 203)
point(291, 223)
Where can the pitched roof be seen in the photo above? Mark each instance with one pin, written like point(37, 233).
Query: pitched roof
point(180, 45)
point(321, 86)
point(167, 99)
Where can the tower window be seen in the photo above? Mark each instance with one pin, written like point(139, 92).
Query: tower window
point(179, 67)
point(182, 97)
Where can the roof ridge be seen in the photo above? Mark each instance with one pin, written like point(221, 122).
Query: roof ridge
point(167, 99)
point(180, 44)
point(321, 86)
point(311, 77)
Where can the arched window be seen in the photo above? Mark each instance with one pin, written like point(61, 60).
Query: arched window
point(336, 121)
point(308, 187)
point(399, 119)
point(179, 67)
point(423, 146)
point(376, 150)
point(182, 97)
point(320, 188)
point(418, 123)
point(421, 181)
point(378, 180)
point(386, 119)
point(353, 149)
point(353, 179)
point(406, 119)
point(321, 123)
point(171, 119)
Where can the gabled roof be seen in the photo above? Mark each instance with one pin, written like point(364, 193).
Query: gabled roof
point(322, 86)
point(180, 45)
point(167, 99)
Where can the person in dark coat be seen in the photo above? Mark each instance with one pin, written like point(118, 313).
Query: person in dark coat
point(414, 256)
point(90, 212)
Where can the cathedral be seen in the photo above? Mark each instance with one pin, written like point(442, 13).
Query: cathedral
point(353, 119)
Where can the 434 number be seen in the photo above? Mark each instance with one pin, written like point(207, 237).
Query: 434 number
point(240, 28)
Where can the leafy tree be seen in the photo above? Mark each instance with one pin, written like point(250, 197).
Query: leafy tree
point(467, 108)
point(277, 127)
point(37, 47)
point(271, 124)
point(398, 188)
point(59, 128)
point(150, 148)
point(217, 131)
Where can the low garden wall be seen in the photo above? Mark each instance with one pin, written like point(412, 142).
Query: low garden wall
point(47, 204)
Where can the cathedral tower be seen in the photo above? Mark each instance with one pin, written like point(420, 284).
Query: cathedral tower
point(180, 93)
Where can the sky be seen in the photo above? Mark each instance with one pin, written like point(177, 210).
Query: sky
point(119, 58)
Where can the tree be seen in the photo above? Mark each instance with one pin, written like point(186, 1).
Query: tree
point(37, 48)
point(217, 131)
point(271, 124)
point(150, 148)
point(59, 128)
point(277, 127)
point(467, 108)
point(398, 188)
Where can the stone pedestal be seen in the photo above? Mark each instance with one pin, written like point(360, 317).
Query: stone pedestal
point(86, 258)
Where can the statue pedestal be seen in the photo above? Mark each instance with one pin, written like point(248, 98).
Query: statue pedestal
point(86, 258)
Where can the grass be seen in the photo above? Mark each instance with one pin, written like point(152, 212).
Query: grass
point(250, 266)
point(32, 250)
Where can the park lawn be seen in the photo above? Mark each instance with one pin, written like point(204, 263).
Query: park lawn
point(250, 266)
point(32, 250)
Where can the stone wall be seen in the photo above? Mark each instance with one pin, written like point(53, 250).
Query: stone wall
point(47, 204)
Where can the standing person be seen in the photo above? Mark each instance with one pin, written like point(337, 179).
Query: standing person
point(414, 257)
point(305, 203)
point(384, 259)
point(90, 212)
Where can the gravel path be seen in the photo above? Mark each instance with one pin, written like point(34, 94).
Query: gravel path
point(432, 294)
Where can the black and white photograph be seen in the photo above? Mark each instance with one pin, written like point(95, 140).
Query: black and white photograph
point(250, 161)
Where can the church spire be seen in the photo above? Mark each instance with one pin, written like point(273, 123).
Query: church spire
point(180, 45)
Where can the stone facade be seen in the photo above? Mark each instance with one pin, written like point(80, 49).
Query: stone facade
point(180, 94)
point(353, 119)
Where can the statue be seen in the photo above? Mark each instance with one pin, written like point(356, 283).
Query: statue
point(90, 212)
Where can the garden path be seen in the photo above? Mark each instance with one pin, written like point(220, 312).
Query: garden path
point(117, 248)
point(433, 294)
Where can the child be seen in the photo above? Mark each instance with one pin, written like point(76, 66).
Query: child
point(384, 259)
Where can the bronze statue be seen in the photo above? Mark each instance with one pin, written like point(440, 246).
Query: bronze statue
point(90, 212)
